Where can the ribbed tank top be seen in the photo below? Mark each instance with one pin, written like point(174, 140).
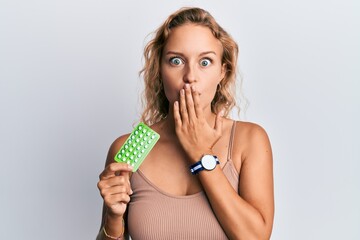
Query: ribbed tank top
point(154, 214)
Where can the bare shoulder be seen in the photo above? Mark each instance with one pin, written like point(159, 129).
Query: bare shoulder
point(252, 138)
point(114, 148)
point(251, 131)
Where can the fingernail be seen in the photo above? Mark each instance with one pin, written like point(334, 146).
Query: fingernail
point(131, 191)
point(186, 86)
point(193, 88)
point(182, 92)
point(130, 167)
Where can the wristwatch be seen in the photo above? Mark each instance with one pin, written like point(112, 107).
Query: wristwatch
point(207, 162)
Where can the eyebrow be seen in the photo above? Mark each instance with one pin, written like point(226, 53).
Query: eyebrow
point(180, 54)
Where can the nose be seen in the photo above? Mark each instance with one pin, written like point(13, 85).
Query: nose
point(190, 75)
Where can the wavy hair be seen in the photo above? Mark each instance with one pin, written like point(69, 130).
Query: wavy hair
point(155, 103)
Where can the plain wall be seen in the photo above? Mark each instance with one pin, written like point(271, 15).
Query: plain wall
point(69, 86)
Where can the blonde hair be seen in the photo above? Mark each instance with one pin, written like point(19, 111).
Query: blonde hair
point(156, 105)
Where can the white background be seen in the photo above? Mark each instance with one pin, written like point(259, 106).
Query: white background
point(69, 86)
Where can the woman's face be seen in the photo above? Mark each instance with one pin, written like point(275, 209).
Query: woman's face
point(192, 55)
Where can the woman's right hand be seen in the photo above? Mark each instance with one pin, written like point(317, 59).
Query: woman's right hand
point(115, 189)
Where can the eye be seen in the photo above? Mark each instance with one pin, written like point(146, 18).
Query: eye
point(176, 61)
point(205, 62)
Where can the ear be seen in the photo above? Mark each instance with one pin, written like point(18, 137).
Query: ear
point(223, 72)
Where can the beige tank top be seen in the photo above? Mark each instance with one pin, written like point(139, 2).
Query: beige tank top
point(154, 214)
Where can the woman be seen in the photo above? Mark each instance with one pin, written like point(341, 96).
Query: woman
point(189, 76)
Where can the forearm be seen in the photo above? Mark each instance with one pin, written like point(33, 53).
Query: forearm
point(239, 219)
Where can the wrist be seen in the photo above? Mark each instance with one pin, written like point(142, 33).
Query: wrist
point(207, 162)
point(114, 226)
point(195, 157)
point(114, 217)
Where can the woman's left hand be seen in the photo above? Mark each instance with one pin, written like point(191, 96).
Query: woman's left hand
point(195, 134)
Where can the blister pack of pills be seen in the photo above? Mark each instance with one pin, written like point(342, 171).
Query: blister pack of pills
point(137, 146)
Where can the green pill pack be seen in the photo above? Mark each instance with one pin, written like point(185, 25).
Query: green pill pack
point(137, 146)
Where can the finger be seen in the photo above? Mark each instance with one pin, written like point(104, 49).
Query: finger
point(105, 187)
point(113, 168)
point(114, 181)
point(126, 175)
point(189, 102)
point(196, 98)
point(177, 116)
point(115, 190)
point(183, 110)
point(116, 198)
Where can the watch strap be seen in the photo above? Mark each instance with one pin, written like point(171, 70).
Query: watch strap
point(198, 167)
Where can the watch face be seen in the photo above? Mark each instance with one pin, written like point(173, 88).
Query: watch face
point(208, 162)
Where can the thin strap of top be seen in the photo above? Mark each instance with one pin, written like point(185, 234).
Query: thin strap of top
point(231, 140)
